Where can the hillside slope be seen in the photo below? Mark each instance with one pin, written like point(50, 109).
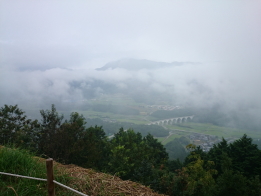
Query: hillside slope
point(95, 183)
point(88, 181)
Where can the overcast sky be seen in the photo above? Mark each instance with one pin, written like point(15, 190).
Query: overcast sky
point(61, 41)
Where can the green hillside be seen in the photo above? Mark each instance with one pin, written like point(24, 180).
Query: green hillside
point(87, 181)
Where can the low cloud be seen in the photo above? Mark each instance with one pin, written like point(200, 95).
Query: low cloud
point(201, 84)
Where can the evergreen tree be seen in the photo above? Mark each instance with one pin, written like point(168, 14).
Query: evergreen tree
point(96, 149)
point(50, 125)
point(246, 157)
point(216, 154)
point(66, 139)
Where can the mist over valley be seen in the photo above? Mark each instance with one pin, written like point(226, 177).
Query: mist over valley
point(130, 86)
point(163, 93)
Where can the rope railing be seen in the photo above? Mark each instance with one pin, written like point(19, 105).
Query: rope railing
point(71, 189)
point(20, 176)
point(50, 182)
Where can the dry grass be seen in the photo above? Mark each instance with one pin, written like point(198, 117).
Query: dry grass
point(95, 183)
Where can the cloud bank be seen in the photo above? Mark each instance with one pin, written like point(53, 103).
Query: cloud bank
point(50, 51)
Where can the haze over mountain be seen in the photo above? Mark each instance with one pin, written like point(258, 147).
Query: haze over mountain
point(180, 52)
point(135, 64)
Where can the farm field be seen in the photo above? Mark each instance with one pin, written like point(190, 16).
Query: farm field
point(172, 137)
point(185, 129)
point(177, 130)
point(136, 119)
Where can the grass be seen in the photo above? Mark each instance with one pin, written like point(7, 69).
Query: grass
point(172, 137)
point(21, 162)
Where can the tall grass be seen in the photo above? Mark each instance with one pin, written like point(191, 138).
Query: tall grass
point(20, 161)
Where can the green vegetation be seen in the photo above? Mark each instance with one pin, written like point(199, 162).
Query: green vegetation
point(176, 148)
point(137, 119)
point(210, 129)
point(133, 156)
point(188, 128)
point(21, 162)
point(112, 127)
point(116, 109)
point(173, 136)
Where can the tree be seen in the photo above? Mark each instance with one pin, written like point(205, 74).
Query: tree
point(12, 119)
point(246, 157)
point(195, 150)
point(15, 128)
point(200, 174)
point(133, 157)
point(127, 153)
point(49, 126)
point(176, 150)
point(238, 166)
point(234, 183)
point(216, 154)
point(96, 148)
point(146, 173)
point(67, 139)
point(173, 165)
point(158, 154)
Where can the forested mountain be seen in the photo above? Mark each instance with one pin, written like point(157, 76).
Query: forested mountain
point(136, 64)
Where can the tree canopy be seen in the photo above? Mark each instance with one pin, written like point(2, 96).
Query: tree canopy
point(227, 169)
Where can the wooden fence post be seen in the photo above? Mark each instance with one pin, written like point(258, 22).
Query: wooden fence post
point(50, 178)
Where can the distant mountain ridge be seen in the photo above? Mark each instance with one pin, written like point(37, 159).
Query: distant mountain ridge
point(138, 64)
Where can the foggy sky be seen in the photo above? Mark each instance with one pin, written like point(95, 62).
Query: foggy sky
point(47, 45)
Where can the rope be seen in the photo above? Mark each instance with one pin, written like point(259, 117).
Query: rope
point(23, 176)
point(73, 190)
point(16, 175)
